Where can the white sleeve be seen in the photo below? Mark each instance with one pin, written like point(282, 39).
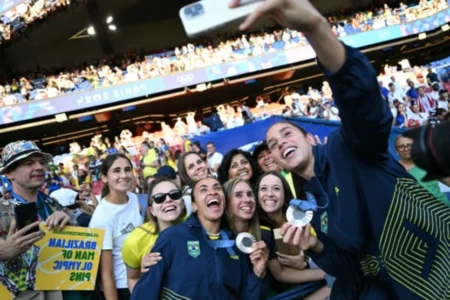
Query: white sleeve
point(109, 232)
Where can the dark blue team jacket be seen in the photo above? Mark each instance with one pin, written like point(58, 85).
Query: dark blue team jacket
point(384, 236)
point(213, 274)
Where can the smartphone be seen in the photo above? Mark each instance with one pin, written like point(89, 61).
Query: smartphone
point(207, 15)
point(26, 214)
point(281, 246)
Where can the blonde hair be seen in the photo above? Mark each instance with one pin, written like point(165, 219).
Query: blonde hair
point(149, 217)
point(254, 225)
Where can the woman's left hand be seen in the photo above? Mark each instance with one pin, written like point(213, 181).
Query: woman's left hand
point(259, 258)
point(293, 261)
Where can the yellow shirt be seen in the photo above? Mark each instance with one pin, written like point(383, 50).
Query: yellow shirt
point(171, 164)
point(151, 158)
point(138, 244)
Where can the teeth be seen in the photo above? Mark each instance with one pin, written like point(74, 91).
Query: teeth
point(242, 174)
point(170, 208)
point(212, 201)
point(270, 202)
point(246, 208)
point(288, 151)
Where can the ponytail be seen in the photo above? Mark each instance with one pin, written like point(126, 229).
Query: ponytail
point(105, 190)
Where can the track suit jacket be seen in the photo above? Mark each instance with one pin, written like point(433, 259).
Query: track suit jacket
point(384, 236)
point(205, 273)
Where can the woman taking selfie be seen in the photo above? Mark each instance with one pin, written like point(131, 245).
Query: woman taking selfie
point(241, 216)
point(200, 260)
point(191, 168)
point(165, 208)
point(118, 215)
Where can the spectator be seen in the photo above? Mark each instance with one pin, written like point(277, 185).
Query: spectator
point(149, 160)
point(432, 77)
point(196, 147)
point(396, 94)
point(443, 101)
point(238, 163)
point(77, 209)
point(384, 91)
point(24, 167)
point(425, 101)
point(403, 146)
point(263, 157)
point(214, 158)
point(164, 210)
point(118, 214)
point(166, 172)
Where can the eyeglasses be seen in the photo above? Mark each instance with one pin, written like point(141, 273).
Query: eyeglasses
point(161, 197)
point(404, 147)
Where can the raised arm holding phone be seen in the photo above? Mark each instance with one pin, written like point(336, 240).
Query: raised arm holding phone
point(369, 213)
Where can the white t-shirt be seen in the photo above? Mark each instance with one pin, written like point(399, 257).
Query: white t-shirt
point(216, 158)
point(118, 221)
point(397, 95)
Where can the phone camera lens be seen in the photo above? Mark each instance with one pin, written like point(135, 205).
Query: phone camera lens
point(194, 11)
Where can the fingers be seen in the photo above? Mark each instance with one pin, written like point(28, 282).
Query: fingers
point(234, 3)
point(149, 260)
point(325, 140)
point(289, 234)
point(29, 239)
point(23, 231)
point(264, 8)
point(65, 221)
point(12, 228)
point(284, 228)
point(56, 218)
point(318, 141)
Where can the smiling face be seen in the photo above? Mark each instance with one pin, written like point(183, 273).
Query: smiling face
point(196, 167)
point(240, 167)
point(209, 200)
point(403, 146)
point(171, 209)
point(266, 162)
point(28, 173)
point(290, 147)
point(242, 203)
point(271, 194)
point(119, 176)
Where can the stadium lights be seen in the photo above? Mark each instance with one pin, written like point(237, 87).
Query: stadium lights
point(109, 20)
point(91, 30)
point(112, 27)
point(445, 27)
point(422, 36)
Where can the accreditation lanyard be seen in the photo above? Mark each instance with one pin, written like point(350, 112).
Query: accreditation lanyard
point(224, 242)
point(40, 199)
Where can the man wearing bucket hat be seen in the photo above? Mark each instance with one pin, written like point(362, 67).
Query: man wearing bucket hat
point(24, 166)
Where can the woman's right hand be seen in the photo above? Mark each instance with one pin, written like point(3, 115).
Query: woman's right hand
point(149, 260)
point(301, 238)
point(300, 15)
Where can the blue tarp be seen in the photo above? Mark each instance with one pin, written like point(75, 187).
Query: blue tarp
point(247, 136)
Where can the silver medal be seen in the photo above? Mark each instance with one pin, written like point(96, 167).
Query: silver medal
point(298, 217)
point(244, 242)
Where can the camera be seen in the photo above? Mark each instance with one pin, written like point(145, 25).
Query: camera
point(431, 149)
point(194, 11)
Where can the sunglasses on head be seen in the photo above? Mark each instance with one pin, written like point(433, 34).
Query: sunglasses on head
point(161, 197)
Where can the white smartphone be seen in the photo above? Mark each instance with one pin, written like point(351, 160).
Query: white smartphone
point(207, 15)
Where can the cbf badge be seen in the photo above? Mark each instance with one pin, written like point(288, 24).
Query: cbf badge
point(324, 222)
point(193, 248)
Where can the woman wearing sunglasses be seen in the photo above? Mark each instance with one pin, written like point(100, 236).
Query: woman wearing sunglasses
point(200, 260)
point(241, 216)
point(165, 208)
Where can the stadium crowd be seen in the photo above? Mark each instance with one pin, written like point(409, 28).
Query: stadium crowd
point(120, 69)
point(28, 13)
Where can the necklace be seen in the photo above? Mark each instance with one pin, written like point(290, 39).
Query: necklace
point(213, 234)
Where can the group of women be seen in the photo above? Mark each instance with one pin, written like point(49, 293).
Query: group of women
point(251, 203)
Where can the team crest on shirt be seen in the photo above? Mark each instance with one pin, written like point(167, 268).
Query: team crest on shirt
point(324, 222)
point(193, 248)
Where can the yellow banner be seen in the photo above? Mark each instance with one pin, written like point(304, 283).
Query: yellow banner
point(64, 259)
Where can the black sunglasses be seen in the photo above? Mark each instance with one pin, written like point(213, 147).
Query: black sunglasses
point(161, 197)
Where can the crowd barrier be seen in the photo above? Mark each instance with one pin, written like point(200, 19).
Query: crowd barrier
point(147, 87)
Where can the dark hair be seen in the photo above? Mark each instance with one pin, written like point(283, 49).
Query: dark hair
point(391, 84)
point(210, 143)
point(106, 165)
point(149, 217)
point(184, 178)
point(145, 183)
point(287, 121)
point(226, 163)
point(288, 196)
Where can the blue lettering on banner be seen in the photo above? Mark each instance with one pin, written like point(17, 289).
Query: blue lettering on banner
point(143, 88)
